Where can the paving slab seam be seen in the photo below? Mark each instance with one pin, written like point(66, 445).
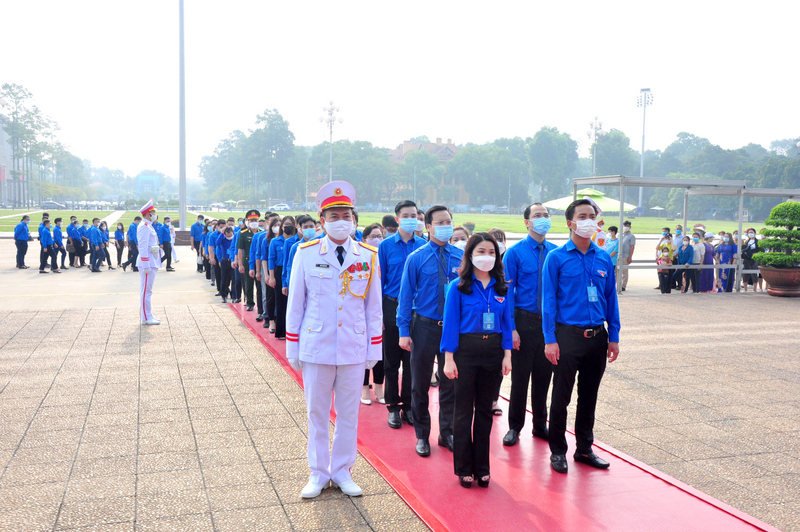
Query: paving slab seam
point(85, 421)
point(39, 406)
point(31, 352)
point(138, 426)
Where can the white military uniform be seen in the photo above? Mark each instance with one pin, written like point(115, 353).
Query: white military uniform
point(148, 265)
point(334, 324)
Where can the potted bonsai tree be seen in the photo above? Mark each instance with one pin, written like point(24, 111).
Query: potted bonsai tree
point(779, 258)
point(470, 226)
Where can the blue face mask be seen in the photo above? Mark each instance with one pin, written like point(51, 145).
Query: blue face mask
point(409, 225)
point(443, 232)
point(86, 226)
point(695, 239)
point(678, 231)
point(26, 222)
point(726, 239)
point(664, 233)
point(541, 226)
point(309, 233)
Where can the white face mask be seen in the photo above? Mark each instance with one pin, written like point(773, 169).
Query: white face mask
point(420, 225)
point(461, 244)
point(374, 241)
point(168, 224)
point(276, 230)
point(626, 229)
point(339, 230)
point(502, 247)
point(153, 218)
point(585, 228)
point(484, 263)
point(253, 225)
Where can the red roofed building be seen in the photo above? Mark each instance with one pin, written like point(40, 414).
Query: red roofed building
point(448, 191)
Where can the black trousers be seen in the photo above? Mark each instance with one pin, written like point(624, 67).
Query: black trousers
point(207, 268)
point(426, 338)
point(270, 310)
point(281, 301)
point(248, 284)
point(44, 256)
point(120, 247)
point(168, 254)
point(586, 358)
point(690, 278)
point(224, 287)
point(217, 273)
point(479, 361)
point(198, 248)
point(108, 256)
point(397, 397)
point(133, 254)
point(259, 295)
point(63, 253)
point(22, 249)
point(529, 365)
point(665, 281)
point(377, 374)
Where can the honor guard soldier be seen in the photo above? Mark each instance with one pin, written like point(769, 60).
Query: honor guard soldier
point(333, 332)
point(427, 273)
point(579, 298)
point(148, 261)
point(524, 265)
point(245, 239)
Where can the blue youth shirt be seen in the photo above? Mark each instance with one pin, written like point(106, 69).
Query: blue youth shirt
point(21, 232)
point(419, 288)
point(132, 236)
point(463, 314)
point(119, 235)
point(568, 274)
point(392, 254)
point(58, 237)
point(94, 236)
point(521, 266)
point(45, 237)
point(276, 252)
point(196, 231)
point(163, 234)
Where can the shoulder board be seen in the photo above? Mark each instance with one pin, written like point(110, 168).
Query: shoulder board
point(310, 243)
point(371, 248)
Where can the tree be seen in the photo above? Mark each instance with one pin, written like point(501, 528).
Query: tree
point(419, 140)
point(787, 147)
point(427, 169)
point(485, 172)
point(686, 146)
point(553, 157)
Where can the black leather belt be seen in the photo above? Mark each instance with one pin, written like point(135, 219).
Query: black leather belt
point(520, 312)
point(391, 298)
point(423, 319)
point(481, 336)
point(586, 332)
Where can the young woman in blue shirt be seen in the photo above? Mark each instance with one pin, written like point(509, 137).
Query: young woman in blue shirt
point(477, 341)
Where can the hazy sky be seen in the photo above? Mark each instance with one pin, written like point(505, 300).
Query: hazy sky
point(107, 71)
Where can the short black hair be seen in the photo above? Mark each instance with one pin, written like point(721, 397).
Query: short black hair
point(85, 221)
point(402, 205)
point(571, 209)
point(420, 211)
point(137, 219)
point(355, 215)
point(370, 228)
point(57, 220)
point(389, 221)
point(167, 218)
point(231, 219)
point(228, 230)
point(303, 218)
point(667, 229)
point(26, 217)
point(95, 220)
point(627, 222)
point(527, 213)
point(201, 217)
point(45, 215)
point(614, 228)
point(436, 208)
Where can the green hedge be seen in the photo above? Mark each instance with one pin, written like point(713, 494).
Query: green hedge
point(782, 246)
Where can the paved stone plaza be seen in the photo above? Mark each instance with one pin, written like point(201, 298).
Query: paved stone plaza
point(192, 425)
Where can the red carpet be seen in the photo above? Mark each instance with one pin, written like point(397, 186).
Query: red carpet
point(525, 494)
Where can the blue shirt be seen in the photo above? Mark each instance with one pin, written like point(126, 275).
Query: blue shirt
point(119, 235)
point(196, 231)
point(45, 237)
point(258, 249)
point(276, 252)
point(58, 237)
point(94, 236)
point(132, 236)
point(224, 246)
point(83, 232)
point(568, 274)
point(212, 242)
point(205, 243)
point(685, 256)
point(463, 314)
point(419, 288)
point(104, 235)
point(521, 266)
point(21, 232)
point(392, 254)
point(358, 236)
point(163, 234)
point(217, 249)
point(611, 247)
point(157, 226)
point(234, 249)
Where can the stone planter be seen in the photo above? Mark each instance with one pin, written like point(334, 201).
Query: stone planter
point(783, 282)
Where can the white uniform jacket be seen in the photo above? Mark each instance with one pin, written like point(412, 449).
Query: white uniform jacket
point(334, 314)
point(147, 237)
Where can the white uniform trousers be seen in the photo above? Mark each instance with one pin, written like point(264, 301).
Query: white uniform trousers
point(145, 292)
point(319, 381)
point(174, 253)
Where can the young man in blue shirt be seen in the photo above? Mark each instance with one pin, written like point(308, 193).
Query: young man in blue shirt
point(225, 245)
point(420, 311)
point(393, 252)
point(524, 265)
point(58, 242)
point(579, 299)
point(48, 248)
point(96, 245)
point(133, 244)
point(22, 236)
point(83, 233)
point(196, 234)
point(166, 242)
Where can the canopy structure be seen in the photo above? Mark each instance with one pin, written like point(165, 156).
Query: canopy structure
point(692, 187)
point(604, 202)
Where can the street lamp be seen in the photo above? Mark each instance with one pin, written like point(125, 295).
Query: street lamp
point(593, 134)
point(645, 98)
point(330, 120)
point(4, 103)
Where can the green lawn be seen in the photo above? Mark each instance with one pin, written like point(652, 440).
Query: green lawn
point(8, 224)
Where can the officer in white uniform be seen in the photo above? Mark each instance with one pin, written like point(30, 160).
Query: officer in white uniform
point(334, 330)
point(148, 261)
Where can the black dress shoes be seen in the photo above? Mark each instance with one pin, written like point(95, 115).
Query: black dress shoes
point(260, 317)
point(511, 438)
point(559, 463)
point(266, 323)
point(407, 416)
point(394, 420)
point(446, 442)
point(224, 299)
point(218, 294)
point(249, 308)
point(423, 447)
point(591, 459)
point(542, 434)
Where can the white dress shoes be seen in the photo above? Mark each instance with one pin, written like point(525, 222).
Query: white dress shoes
point(312, 490)
point(152, 321)
point(350, 488)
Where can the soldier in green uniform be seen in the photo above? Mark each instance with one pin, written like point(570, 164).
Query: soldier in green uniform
point(245, 238)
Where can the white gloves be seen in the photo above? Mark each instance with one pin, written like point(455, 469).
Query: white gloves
point(371, 363)
point(145, 270)
point(154, 250)
point(296, 363)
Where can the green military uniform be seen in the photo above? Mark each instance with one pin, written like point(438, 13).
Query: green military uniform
point(245, 239)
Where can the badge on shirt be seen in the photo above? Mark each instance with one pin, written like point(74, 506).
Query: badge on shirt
point(601, 273)
point(488, 321)
point(592, 290)
point(322, 266)
point(499, 299)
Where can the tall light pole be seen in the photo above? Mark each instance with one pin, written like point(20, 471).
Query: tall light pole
point(593, 134)
point(4, 103)
point(415, 184)
point(330, 120)
point(182, 126)
point(645, 98)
